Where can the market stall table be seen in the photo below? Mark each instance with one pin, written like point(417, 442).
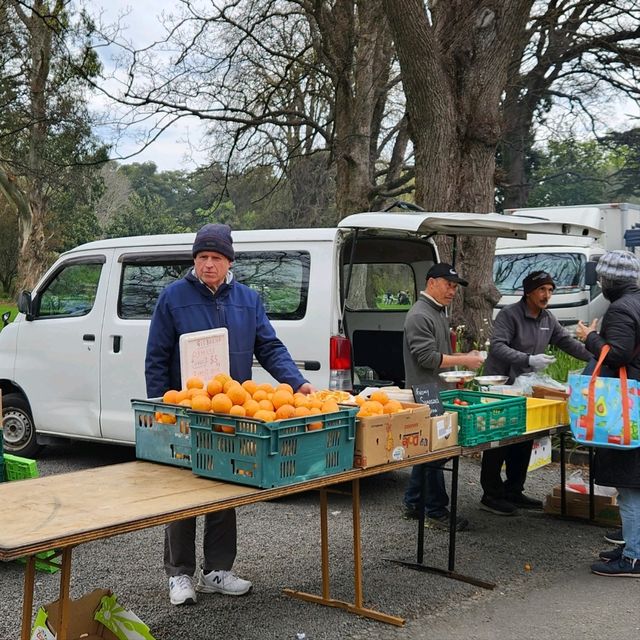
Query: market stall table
point(69, 509)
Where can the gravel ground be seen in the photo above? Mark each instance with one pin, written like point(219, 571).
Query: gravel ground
point(279, 547)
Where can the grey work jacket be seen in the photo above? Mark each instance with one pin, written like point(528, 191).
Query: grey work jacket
point(517, 334)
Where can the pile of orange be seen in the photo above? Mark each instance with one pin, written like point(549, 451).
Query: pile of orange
point(378, 404)
point(222, 394)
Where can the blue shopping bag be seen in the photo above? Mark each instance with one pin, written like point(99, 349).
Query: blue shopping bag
point(604, 412)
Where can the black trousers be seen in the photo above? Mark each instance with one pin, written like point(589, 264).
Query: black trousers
point(516, 459)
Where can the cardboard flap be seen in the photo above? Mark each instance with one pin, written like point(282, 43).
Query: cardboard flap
point(80, 616)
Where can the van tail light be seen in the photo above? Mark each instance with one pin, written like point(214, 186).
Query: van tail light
point(340, 363)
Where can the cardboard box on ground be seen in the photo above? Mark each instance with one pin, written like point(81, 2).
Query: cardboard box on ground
point(95, 616)
point(606, 509)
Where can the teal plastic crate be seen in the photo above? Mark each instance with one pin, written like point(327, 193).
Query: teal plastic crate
point(272, 454)
point(17, 468)
point(157, 440)
point(488, 417)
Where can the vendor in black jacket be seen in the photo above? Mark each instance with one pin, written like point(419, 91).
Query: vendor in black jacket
point(521, 333)
point(618, 272)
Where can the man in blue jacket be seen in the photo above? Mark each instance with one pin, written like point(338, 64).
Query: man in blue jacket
point(208, 297)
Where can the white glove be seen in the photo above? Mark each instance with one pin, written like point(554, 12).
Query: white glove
point(540, 361)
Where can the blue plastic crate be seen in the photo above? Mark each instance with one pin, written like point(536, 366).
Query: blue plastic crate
point(272, 454)
point(166, 442)
point(487, 417)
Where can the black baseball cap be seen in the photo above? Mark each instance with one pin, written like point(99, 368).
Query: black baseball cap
point(446, 271)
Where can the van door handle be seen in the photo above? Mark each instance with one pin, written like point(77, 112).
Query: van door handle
point(311, 365)
point(117, 340)
point(89, 337)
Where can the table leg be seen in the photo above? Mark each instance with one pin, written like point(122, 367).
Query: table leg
point(27, 601)
point(65, 579)
point(563, 476)
point(325, 599)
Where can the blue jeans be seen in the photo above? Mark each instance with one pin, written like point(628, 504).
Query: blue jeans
point(629, 502)
point(435, 492)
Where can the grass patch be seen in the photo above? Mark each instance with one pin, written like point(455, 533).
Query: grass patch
point(6, 306)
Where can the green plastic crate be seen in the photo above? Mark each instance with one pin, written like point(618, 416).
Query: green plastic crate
point(157, 441)
point(17, 468)
point(1, 467)
point(272, 454)
point(489, 416)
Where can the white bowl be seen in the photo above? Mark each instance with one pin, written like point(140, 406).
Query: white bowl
point(488, 381)
point(457, 376)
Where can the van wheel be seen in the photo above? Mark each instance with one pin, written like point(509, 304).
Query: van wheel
point(18, 428)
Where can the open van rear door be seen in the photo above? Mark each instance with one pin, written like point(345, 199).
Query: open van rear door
point(467, 224)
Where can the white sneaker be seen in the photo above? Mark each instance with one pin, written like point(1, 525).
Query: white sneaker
point(181, 590)
point(222, 582)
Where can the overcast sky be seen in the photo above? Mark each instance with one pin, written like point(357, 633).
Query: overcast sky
point(172, 150)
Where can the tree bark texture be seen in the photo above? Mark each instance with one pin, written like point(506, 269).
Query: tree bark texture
point(454, 57)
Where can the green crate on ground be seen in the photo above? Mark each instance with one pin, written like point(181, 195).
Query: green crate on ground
point(272, 454)
point(45, 561)
point(17, 468)
point(488, 416)
point(163, 432)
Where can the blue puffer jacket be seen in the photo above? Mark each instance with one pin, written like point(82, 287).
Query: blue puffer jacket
point(188, 305)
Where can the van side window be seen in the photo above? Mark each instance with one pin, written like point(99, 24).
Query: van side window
point(71, 292)
point(281, 278)
point(381, 287)
point(142, 283)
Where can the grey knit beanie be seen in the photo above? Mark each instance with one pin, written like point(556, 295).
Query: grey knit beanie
point(618, 266)
point(214, 237)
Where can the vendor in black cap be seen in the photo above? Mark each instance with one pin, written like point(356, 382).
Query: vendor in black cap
point(521, 334)
point(427, 351)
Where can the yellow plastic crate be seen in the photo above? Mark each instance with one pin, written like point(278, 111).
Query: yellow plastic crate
point(542, 413)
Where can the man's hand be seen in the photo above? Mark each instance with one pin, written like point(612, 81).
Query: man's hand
point(582, 330)
point(540, 361)
point(473, 360)
point(306, 388)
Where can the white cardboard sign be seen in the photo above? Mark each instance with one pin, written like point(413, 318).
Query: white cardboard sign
point(204, 353)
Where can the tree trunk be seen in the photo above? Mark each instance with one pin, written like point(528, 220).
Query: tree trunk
point(454, 65)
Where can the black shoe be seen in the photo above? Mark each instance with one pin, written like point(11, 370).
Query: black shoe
point(442, 522)
point(436, 522)
point(614, 536)
point(498, 506)
point(524, 502)
point(611, 555)
point(622, 568)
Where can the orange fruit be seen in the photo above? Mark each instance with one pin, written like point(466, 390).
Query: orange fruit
point(250, 386)
point(227, 428)
point(285, 411)
point(222, 377)
point(170, 397)
point(167, 419)
point(228, 384)
point(285, 386)
point(301, 401)
point(329, 406)
point(195, 382)
point(214, 387)
point(186, 402)
point(373, 407)
point(182, 395)
point(201, 402)
point(379, 396)
point(262, 414)
point(221, 403)
point(266, 386)
point(360, 400)
point(300, 412)
point(315, 403)
point(251, 406)
point(237, 394)
point(393, 406)
point(259, 394)
point(192, 393)
point(280, 397)
point(314, 411)
point(238, 410)
point(266, 405)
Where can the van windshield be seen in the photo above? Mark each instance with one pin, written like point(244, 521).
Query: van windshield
point(566, 269)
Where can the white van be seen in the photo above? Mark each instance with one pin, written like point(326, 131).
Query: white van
point(74, 356)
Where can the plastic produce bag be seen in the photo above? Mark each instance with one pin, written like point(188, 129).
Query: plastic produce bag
point(577, 484)
point(529, 380)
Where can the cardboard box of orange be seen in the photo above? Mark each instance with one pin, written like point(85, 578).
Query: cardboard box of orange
point(394, 436)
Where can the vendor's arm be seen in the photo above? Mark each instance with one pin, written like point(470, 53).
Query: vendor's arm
point(161, 344)
point(471, 360)
point(504, 331)
point(560, 338)
point(420, 336)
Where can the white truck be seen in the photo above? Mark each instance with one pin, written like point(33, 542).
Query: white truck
point(570, 260)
